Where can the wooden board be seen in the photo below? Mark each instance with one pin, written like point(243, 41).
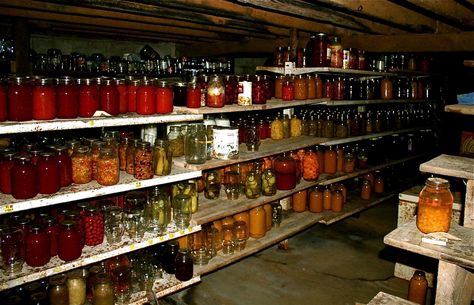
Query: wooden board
point(383, 298)
point(408, 237)
point(322, 70)
point(455, 285)
point(463, 109)
point(373, 102)
point(453, 166)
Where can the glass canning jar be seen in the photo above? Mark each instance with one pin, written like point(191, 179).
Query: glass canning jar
point(6, 164)
point(184, 265)
point(76, 286)
point(162, 158)
point(67, 95)
point(231, 89)
point(48, 171)
point(286, 126)
point(176, 141)
point(52, 230)
point(330, 161)
point(257, 222)
point(182, 211)
point(434, 206)
point(215, 92)
point(317, 48)
point(58, 294)
point(103, 290)
point(37, 248)
point(143, 161)
point(279, 86)
point(212, 185)
point(276, 129)
point(24, 181)
point(193, 95)
point(301, 87)
point(310, 165)
point(44, 99)
point(132, 89)
point(145, 103)
point(122, 89)
point(109, 97)
point(366, 190)
point(288, 90)
point(316, 200)
point(81, 165)
point(20, 100)
point(253, 185)
point(11, 242)
point(69, 243)
point(268, 182)
point(64, 163)
point(195, 149)
point(93, 227)
point(158, 210)
point(285, 172)
point(259, 95)
point(164, 98)
point(114, 224)
point(295, 126)
point(88, 97)
point(108, 172)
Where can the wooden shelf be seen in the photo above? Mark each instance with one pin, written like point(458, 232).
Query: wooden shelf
point(374, 102)
point(408, 237)
point(462, 109)
point(274, 103)
point(89, 256)
point(127, 182)
point(468, 63)
point(323, 70)
point(383, 298)
point(453, 166)
point(10, 127)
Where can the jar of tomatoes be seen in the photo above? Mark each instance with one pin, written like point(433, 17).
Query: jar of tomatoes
point(67, 98)
point(20, 100)
point(259, 95)
point(434, 206)
point(146, 98)
point(44, 99)
point(81, 165)
point(24, 182)
point(48, 172)
point(88, 97)
point(69, 244)
point(37, 247)
point(93, 227)
point(231, 89)
point(109, 97)
point(285, 172)
point(64, 165)
point(193, 95)
point(164, 98)
point(52, 230)
point(215, 92)
point(288, 90)
point(132, 89)
point(108, 172)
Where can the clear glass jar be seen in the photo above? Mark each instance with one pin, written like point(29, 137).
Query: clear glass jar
point(268, 182)
point(58, 294)
point(143, 161)
point(11, 242)
point(158, 210)
point(108, 172)
point(212, 185)
point(434, 206)
point(195, 148)
point(81, 165)
point(114, 224)
point(215, 92)
point(253, 185)
point(103, 290)
point(135, 224)
point(182, 211)
point(176, 141)
point(76, 286)
point(162, 158)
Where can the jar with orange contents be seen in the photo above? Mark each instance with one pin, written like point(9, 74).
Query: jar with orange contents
point(279, 86)
point(330, 161)
point(371, 178)
point(258, 226)
point(327, 198)
point(107, 167)
point(341, 187)
point(366, 190)
point(300, 201)
point(301, 87)
point(337, 201)
point(434, 206)
point(245, 217)
point(268, 216)
point(320, 153)
point(339, 159)
point(311, 85)
point(81, 165)
point(316, 200)
point(349, 162)
point(310, 165)
point(379, 183)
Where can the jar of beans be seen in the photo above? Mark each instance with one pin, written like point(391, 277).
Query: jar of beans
point(107, 167)
point(143, 161)
point(94, 227)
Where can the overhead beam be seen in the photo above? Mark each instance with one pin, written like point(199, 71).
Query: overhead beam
point(451, 10)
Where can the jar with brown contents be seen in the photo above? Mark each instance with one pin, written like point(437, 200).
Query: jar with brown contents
point(176, 141)
point(300, 201)
point(143, 161)
point(103, 291)
point(258, 226)
point(337, 201)
point(122, 152)
point(107, 167)
point(366, 190)
point(58, 294)
point(81, 165)
point(130, 169)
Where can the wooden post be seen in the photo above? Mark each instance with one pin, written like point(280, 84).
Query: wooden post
point(455, 285)
point(294, 43)
point(469, 205)
point(21, 38)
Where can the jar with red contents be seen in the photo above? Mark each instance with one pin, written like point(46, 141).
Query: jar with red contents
point(94, 227)
point(37, 247)
point(20, 100)
point(64, 164)
point(48, 172)
point(3, 101)
point(146, 98)
point(88, 97)
point(193, 95)
point(317, 48)
point(67, 98)
point(215, 92)
point(6, 165)
point(132, 89)
point(52, 230)
point(259, 95)
point(285, 171)
point(76, 217)
point(262, 127)
point(44, 100)
point(122, 90)
point(24, 182)
point(69, 243)
point(203, 84)
point(328, 89)
point(268, 86)
point(288, 91)
point(164, 98)
point(338, 89)
point(109, 97)
point(231, 89)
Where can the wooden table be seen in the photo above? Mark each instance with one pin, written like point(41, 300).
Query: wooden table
point(455, 281)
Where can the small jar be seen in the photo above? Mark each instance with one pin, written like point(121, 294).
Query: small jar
point(310, 165)
point(58, 294)
point(24, 181)
point(76, 286)
point(268, 182)
point(366, 190)
point(37, 247)
point(434, 206)
point(215, 93)
point(417, 288)
point(143, 161)
point(257, 227)
point(145, 103)
point(67, 98)
point(378, 184)
point(176, 141)
point(253, 185)
point(44, 100)
point(93, 227)
point(69, 244)
point(164, 98)
point(103, 290)
point(81, 165)
point(11, 242)
point(316, 200)
point(195, 148)
point(337, 201)
point(330, 161)
point(285, 172)
point(184, 265)
point(212, 185)
point(300, 201)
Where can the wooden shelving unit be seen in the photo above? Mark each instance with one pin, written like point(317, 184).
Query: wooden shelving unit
point(373, 102)
point(462, 109)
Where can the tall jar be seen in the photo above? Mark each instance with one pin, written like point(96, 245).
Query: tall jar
point(337, 201)
point(310, 165)
point(108, 172)
point(279, 86)
point(231, 89)
point(93, 227)
point(259, 95)
point(52, 230)
point(182, 211)
point(366, 190)
point(257, 227)
point(37, 248)
point(276, 132)
point(64, 164)
point(103, 290)
point(162, 158)
point(285, 172)
point(158, 210)
point(20, 100)
point(193, 95)
point(67, 98)
point(316, 200)
point(300, 201)
point(3, 101)
point(24, 181)
point(58, 294)
point(146, 98)
point(216, 92)
point(176, 141)
point(47, 170)
point(12, 242)
point(44, 100)
point(268, 182)
point(76, 286)
point(286, 126)
point(88, 97)
point(386, 89)
point(164, 98)
point(212, 185)
point(132, 89)
point(122, 89)
point(143, 161)
point(317, 48)
point(417, 288)
point(330, 161)
point(69, 244)
point(301, 87)
point(434, 206)
point(109, 97)
point(288, 90)
point(195, 149)
point(311, 85)
point(81, 165)
point(6, 165)
point(336, 53)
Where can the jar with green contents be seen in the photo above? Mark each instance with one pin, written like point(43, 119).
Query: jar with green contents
point(268, 182)
point(212, 184)
point(176, 141)
point(286, 126)
point(158, 210)
point(103, 291)
point(253, 185)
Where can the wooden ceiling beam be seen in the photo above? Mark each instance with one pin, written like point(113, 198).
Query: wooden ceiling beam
point(450, 10)
point(467, 4)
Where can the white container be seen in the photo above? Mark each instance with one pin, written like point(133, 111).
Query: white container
point(244, 97)
point(225, 143)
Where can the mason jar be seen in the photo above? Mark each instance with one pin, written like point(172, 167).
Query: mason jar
point(162, 158)
point(158, 210)
point(195, 149)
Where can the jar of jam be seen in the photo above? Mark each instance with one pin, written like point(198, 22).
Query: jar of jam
point(285, 172)
point(259, 94)
point(336, 53)
point(184, 265)
point(164, 98)
point(146, 98)
point(253, 185)
point(93, 227)
point(257, 227)
point(6, 164)
point(103, 292)
point(434, 206)
point(317, 49)
point(109, 97)
point(58, 294)
point(301, 87)
point(37, 247)
point(193, 95)
point(44, 100)
point(122, 89)
point(12, 243)
point(143, 161)
point(48, 170)
point(67, 98)
point(288, 91)
point(279, 86)
point(327, 198)
point(20, 100)
point(338, 87)
point(24, 181)
point(64, 163)
point(300, 201)
point(310, 165)
point(69, 244)
point(231, 89)
point(132, 89)
point(216, 92)
point(108, 172)
point(337, 201)
point(88, 97)
point(316, 200)
point(417, 288)
point(366, 190)
point(52, 230)
point(81, 165)
point(330, 161)
point(386, 89)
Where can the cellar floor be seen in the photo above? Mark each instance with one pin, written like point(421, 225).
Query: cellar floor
point(345, 263)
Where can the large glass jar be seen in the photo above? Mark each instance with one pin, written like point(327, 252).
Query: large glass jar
point(158, 210)
point(195, 148)
point(164, 98)
point(20, 100)
point(285, 172)
point(310, 165)
point(114, 224)
point(108, 172)
point(182, 211)
point(37, 252)
point(58, 294)
point(44, 100)
point(176, 141)
point(48, 171)
point(212, 185)
point(103, 290)
point(11, 242)
point(317, 48)
point(215, 92)
point(268, 182)
point(109, 97)
point(76, 286)
point(67, 98)
point(184, 265)
point(258, 225)
point(337, 201)
point(146, 98)
point(434, 206)
point(69, 244)
point(143, 161)
point(88, 97)
point(253, 185)
point(6, 164)
point(24, 181)
point(93, 227)
point(81, 165)
point(64, 164)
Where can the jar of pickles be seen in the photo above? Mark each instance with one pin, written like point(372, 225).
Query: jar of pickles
point(158, 210)
point(58, 294)
point(268, 182)
point(108, 172)
point(81, 165)
point(212, 185)
point(195, 148)
point(253, 185)
point(143, 161)
point(176, 141)
point(162, 161)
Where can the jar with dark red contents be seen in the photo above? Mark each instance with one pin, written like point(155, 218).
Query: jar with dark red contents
point(353, 58)
point(6, 164)
point(268, 86)
point(288, 91)
point(64, 164)
point(193, 95)
point(262, 127)
point(67, 98)
point(77, 218)
point(109, 97)
point(132, 89)
point(361, 62)
point(338, 89)
point(69, 245)
point(285, 172)
point(316, 49)
point(184, 265)
point(88, 97)
point(52, 230)
point(146, 98)
point(164, 98)
point(259, 94)
point(44, 100)
point(231, 89)
point(24, 182)
point(123, 101)
point(328, 89)
point(3, 101)
point(143, 161)
point(37, 247)
point(20, 100)
point(93, 227)
point(179, 94)
point(24, 225)
point(48, 173)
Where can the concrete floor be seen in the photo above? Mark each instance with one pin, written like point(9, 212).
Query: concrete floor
point(341, 264)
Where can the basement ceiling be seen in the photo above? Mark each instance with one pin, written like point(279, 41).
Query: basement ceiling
point(245, 23)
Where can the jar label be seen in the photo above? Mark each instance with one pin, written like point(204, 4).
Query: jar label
point(285, 203)
point(244, 97)
point(225, 143)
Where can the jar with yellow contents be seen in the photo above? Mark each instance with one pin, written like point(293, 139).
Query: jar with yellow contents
point(434, 206)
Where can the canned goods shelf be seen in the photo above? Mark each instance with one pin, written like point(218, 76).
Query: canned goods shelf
point(462, 109)
point(89, 255)
point(127, 182)
point(10, 127)
point(328, 70)
point(374, 102)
